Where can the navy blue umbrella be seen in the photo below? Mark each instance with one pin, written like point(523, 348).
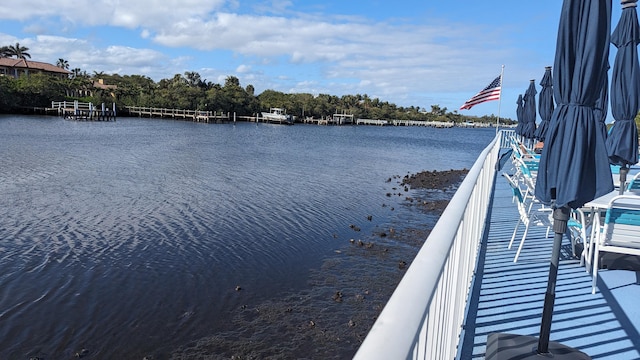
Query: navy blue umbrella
point(602, 105)
point(520, 115)
point(574, 166)
point(545, 104)
point(529, 126)
point(622, 143)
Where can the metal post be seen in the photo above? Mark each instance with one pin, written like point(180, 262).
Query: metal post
point(560, 219)
point(624, 170)
point(500, 99)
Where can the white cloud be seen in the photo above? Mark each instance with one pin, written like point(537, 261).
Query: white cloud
point(324, 53)
point(81, 53)
point(243, 69)
point(129, 14)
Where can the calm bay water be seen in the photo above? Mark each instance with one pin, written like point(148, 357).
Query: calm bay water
point(130, 238)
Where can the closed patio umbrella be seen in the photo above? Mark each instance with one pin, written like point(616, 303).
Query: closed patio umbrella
point(602, 105)
point(574, 169)
point(520, 115)
point(545, 104)
point(622, 143)
point(530, 111)
point(574, 166)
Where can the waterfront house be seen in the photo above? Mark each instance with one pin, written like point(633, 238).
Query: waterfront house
point(17, 67)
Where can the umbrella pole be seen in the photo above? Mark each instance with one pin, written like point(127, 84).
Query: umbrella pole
point(503, 346)
point(624, 170)
point(560, 219)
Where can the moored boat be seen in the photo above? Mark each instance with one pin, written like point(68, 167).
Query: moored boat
point(277, 116)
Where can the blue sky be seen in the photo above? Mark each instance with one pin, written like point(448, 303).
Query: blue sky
point(408, 52)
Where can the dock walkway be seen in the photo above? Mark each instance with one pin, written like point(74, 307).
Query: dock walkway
point(508, 297)
point(83, 111)
point(192, 115)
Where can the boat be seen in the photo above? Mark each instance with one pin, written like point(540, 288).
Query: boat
point(277, 116)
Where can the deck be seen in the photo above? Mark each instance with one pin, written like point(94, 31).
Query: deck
point(508, 297)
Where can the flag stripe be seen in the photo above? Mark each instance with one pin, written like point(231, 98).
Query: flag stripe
point(491, 92)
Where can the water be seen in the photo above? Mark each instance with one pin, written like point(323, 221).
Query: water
point(145, 237)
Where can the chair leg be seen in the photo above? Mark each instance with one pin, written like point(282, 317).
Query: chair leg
point(524, 236)
point(515, 231)
point(593, 239)
point(585, 243)
point(572, 240)
point(594, 272)
point(583, 255)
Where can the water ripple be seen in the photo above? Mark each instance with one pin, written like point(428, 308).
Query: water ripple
point(130, 238)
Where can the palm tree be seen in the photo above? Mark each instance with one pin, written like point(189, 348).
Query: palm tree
point(193, 78)
point(4, 52)
point(19, 52)
point(62, 63)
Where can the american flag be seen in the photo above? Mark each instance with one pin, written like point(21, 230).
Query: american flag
point(491, 92)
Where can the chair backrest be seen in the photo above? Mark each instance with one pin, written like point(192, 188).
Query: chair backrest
point(634, 184)
point(522, 201)
point(622, 222)
point(515, 189)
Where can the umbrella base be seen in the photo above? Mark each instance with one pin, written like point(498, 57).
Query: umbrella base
point(502, 346)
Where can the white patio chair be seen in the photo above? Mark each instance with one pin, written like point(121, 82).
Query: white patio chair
point(620, 232)
point(528, 215)
point(579, 224)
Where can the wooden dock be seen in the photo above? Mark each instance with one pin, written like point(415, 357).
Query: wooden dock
point(83, 111)
point(192, 115)
point(436, 124)
point(376, 122)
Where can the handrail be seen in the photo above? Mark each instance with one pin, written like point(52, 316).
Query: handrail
point(423, 318)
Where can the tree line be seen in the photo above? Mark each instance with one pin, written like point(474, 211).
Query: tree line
point(191, 91)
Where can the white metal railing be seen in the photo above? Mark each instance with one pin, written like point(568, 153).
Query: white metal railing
point(79, 108)
point(507, 138)
point(423, 318)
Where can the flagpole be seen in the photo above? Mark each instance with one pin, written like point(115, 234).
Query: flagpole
point(500, 99)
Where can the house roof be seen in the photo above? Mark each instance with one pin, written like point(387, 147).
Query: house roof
point(27, 64)
point(99, 84)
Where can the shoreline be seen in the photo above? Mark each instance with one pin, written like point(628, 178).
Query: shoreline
point(332, 316)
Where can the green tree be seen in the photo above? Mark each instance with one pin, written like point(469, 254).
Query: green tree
point(8, 94)
point(18, 51)
point(38, 89)
point(271, 98)
point(4, 52)
point(213, 98)
point(193, 78)
point(62, 63)
point(235, 97)
point(250, 90)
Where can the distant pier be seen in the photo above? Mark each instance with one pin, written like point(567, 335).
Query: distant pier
point(436, 124)
point(336, 119)
point(82, 111)
point(192, 115)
